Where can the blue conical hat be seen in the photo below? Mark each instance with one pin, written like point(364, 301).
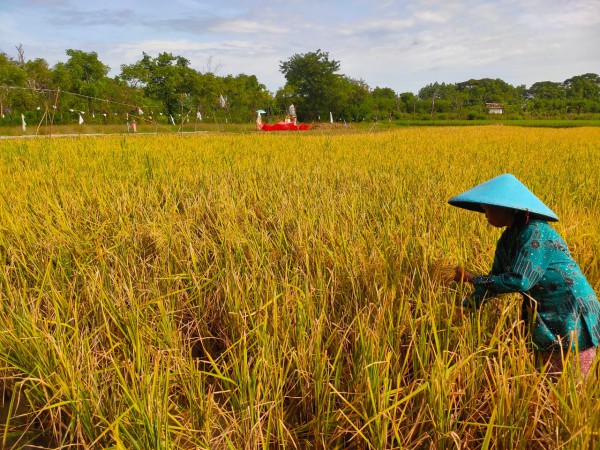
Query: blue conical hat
point(504, 190)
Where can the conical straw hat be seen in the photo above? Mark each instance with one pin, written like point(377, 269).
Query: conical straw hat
point(504, 190)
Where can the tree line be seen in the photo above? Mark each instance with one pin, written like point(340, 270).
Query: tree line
point(166, 88)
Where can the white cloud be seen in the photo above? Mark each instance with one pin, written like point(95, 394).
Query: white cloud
point(375, 26)
point(432, 16)
point(403, 44)
point(247, 27)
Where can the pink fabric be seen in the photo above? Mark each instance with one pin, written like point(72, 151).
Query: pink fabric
point(586, 359)
point(555, 361)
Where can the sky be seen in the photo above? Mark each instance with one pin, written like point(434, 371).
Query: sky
point(404, 45)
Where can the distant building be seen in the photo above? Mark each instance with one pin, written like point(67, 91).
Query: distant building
point(495, 108)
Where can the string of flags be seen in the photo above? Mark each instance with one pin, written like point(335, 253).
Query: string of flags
point(80, 115)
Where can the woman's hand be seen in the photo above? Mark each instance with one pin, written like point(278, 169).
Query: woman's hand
point(462, 276)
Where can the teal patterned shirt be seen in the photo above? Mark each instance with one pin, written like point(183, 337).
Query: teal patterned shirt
point(558, 302)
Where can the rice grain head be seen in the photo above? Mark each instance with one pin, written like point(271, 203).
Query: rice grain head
point(444, 270)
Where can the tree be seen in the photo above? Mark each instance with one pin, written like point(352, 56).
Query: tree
point(33, 77)
point(583, 92)
point(39, 74)
point(11, 74)
point(546, 96)
point(432, 92)
point(355, 98)
point(409, 103)
point(244, 96)
point(166, 78)
point(545, 90)
point(86, 72)
point(83, 74)
point(284, 97)
point(313, 80)
point(385, 102)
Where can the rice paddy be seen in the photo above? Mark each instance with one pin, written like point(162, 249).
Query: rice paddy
point(244, 291)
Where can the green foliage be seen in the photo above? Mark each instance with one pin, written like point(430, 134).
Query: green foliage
point(385, 102)
point(11, 73)
point(183, 91)
point(244, 96)
point(167, 86)
point(356, 99)
point(583, 92)
point(315, 85)
point(165, 78)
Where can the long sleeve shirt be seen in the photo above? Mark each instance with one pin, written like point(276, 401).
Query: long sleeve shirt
point(558, 302)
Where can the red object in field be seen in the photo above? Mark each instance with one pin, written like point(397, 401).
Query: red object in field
point(284, 126)
point(134, 126)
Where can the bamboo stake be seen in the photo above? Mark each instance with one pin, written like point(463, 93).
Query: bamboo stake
point(55, 107)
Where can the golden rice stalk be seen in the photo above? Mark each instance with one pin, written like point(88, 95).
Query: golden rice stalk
point(444, 270)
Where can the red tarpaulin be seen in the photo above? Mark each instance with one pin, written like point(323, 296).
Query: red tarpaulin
point(289, 124)
point(284, 126)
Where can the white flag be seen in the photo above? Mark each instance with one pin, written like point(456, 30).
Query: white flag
point(24, 123)
point(259, 122)
point(292, 110)
point(140, 112)
point(80, 119)
point(172, 120)
point(222, 101)
point(330, 117)
point(199, 116)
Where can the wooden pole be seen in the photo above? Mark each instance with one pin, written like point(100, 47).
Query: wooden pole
point(55, 107)
point(40, 124)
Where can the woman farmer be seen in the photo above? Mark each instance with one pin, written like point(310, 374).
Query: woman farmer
point(531, 258)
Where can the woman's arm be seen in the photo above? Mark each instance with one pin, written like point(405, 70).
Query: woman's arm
point(531, 259)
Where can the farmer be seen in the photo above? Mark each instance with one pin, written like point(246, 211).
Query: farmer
point(559, 305)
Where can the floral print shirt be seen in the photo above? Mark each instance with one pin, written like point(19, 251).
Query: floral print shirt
point(558, 302)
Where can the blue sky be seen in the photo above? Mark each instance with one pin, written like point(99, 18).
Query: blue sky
point(404, 45)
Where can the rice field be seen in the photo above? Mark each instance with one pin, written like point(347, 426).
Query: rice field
point(261, 291)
